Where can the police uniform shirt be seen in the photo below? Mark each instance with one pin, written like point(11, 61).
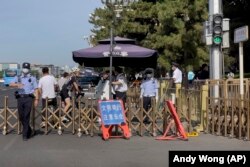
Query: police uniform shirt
point(149, 87)
point(29, 84)
point(177, 74)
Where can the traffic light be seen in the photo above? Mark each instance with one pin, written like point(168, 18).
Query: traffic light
point(217, 29)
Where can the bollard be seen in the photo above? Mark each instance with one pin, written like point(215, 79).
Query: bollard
point(204, 96)
point(177, 89)
point(173, 98)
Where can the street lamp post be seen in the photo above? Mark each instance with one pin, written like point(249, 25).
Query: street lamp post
point(118, 4)
point(111, 62)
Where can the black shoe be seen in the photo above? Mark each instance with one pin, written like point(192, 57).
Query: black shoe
point(65, 120)
point(32, 134)
point(42, 125)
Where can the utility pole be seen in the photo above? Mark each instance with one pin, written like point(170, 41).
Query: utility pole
point(116, 6)
point(215, 52)
point(111, 61)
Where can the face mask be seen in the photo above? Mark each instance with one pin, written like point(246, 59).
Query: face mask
point(25, 70)
point(149, 75)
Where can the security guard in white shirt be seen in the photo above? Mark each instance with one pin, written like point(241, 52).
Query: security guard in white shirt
point(177, 74)
point(177, 77)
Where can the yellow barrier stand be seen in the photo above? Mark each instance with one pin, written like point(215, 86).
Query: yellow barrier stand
point(177, 89)
point(204, 89)
point(192, 134)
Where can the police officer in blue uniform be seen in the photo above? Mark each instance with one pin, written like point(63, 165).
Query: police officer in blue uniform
point(149, 89)
point(26, 95)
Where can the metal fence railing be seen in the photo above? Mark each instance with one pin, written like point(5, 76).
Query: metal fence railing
point(83, 119)
point(227, 113)
point(228, 117)
point(213, 106)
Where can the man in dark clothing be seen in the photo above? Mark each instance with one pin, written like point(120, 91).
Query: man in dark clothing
point(204, 74)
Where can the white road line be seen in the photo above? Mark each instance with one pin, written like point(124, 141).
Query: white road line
point(8, 145)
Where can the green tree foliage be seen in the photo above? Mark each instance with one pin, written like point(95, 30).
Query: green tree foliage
point(172, 27)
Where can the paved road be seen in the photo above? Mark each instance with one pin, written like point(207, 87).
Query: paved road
point(70, 151)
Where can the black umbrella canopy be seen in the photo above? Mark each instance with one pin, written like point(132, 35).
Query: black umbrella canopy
point(124, 54)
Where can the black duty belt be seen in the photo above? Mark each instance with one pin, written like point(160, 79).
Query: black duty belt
point(148, 96)
point(25, 95)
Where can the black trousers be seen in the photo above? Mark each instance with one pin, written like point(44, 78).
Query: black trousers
point(24, 105)
point(146, 103)
point(52, 102)
point(121, 96)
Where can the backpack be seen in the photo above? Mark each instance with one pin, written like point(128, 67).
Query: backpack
point(67, 85)
point(61, 82)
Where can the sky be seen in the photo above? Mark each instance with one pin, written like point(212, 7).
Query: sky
point(44, 31)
